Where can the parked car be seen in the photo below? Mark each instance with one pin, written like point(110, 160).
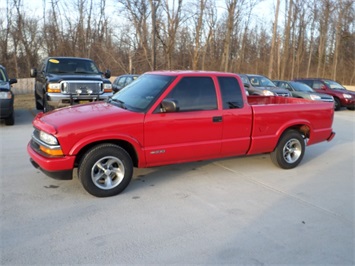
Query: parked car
point(342, 96)
point(261, 85)
point(302, 90)
point(6, 98)
point(122, 81)
point(64, 81)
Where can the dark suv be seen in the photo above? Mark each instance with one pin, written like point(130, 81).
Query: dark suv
point(64, 81)
point(261, 85)
point(342, 96)
point(6, 98)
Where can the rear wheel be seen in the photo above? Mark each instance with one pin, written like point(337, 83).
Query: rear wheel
point(289, 151)
point(105, 170)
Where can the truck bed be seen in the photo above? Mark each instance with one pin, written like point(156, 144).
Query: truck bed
point(262, 100)
point(317, 116)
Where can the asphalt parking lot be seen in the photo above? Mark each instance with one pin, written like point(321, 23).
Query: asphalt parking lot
point(240, 211)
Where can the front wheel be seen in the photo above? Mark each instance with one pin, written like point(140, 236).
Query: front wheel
point(105, 170)
point(337, 104)
point(10, 121)
point(289, 151)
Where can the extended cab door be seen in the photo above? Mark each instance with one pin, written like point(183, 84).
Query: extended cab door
point(192, 132)
point(237, 117)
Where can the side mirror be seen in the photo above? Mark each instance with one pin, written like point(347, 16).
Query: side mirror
point(33, 72)
point(246, 85)
point(12, 81)
point(108, 74)
point(169, 106)
point(323, 87)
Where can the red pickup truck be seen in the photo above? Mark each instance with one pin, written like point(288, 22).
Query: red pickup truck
point(170, 117)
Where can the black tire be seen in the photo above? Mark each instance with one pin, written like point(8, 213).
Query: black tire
point(39, 106)
point(46, 107)
point(337, 104)
point(10, 121)
point(352, 108)
point(289, 150)
point(105, 170)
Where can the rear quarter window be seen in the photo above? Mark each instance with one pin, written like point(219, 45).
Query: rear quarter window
point(231, 93)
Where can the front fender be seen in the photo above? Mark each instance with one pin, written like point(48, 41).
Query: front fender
point(96, 138)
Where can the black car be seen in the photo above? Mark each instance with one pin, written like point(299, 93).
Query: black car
point(122, 81)
point(65, 81)
point(302, 90)
point(6, 98)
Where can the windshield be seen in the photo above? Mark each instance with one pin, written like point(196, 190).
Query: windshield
point(71, 65)
point(301, 87)
point(244, 79)
point(334, 85)
point(260, 81)
point(2, 75)
point(139, 95)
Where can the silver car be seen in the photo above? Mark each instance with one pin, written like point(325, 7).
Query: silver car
point(301, 90)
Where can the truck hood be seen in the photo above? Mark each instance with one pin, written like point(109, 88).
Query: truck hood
point(347, 92)
point(75, 76)
point(91, 117)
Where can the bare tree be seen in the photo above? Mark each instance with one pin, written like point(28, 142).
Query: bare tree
point(231, 6)
point(173, 17)
point(273, 41)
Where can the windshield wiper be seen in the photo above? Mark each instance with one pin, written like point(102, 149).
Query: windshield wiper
point(118, 102)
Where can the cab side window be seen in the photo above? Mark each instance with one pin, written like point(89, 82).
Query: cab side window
point(231, 93)
point(194, 94)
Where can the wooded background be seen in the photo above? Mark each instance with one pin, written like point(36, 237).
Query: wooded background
point(299, 38)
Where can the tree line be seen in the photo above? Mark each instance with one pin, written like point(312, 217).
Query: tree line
point(299, 39)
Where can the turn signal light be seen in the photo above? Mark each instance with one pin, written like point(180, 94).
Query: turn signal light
point(51, 152)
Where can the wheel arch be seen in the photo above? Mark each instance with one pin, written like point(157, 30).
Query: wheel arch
point(302, 128)
point(127, 146)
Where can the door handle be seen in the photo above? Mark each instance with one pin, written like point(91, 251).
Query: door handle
point(216, 119)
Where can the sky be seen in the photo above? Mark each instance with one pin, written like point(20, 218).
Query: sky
point(265, 9)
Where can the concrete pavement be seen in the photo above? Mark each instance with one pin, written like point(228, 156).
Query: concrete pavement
point(239, 211)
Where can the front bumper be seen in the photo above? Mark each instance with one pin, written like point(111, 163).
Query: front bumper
point(348, 103)
point(58, 168)
point(58, 100)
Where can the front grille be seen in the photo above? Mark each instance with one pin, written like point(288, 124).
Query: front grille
point(282, 94)
point(327, 99)
point(81, 87)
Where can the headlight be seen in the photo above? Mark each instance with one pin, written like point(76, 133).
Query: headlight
point(315, 97)
point(5, 95)
point(107, 87)
point(268, 93)
point(53, 87)
point(47, 138)
point(347, 96)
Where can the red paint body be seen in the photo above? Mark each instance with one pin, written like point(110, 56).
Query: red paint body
point(168, 138)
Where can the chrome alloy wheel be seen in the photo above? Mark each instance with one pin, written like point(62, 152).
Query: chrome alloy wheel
point(108, 172)
point(292, 150)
